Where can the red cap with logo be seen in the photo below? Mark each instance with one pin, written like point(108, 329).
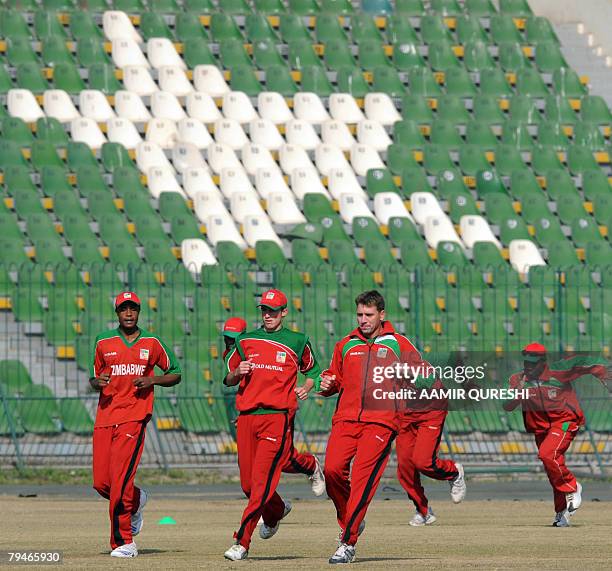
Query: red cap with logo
point(534, 352)
point(126, 296)
point(234, 326)
point(273, 299)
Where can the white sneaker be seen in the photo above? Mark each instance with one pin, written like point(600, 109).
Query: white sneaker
point(137, 519)
point(457, 486)
point(318, 479)
point(574, 499)
point(127, 550)
point(359, 532)
point(344, 554)
point(418, 519)
point(561, 519)
point(265, 531)
point(236, 553)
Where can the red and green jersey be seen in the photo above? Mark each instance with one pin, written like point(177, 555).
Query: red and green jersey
point(552, 400)
point(277, 358)
point(125, 361)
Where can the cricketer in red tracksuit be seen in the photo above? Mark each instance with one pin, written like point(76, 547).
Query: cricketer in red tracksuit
point(121, 420)
point(363, 426)
point(553, 415)
point(266, 403)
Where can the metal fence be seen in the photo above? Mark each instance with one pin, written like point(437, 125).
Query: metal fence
point(50, 316)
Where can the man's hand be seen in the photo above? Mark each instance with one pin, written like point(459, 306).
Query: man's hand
point(244, 368)
point(143, 382)
point(98, 383)
point(327, 382)
point(521, 382)
point(302, 392)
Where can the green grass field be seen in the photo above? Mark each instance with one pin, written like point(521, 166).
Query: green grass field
point(474, 535)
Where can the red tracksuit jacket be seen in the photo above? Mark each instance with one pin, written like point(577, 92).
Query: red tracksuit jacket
point(552, 399)
point(353, 363)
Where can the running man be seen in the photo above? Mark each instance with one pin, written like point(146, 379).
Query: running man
point(553, 415)
point(265, 363)
point(363, 428)
point(122, 371)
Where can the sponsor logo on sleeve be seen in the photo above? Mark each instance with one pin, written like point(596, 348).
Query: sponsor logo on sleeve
point(281, 356)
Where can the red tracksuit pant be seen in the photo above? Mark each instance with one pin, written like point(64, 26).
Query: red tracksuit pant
point(351, 489)
point(116, 453)
point(417, 453)
point(552, 446)
point(299, 462)
point(264, 447)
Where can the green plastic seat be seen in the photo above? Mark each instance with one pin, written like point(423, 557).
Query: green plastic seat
point(552, 135)
point(516, 134)
point(480, 133)
point(423, 83)
point(12, 24)
point(539, 29)
point(595, 110)
point(15, 130)
point(548, 57)
point(448, 183)
point(302, 54)
point(452, 109)
point(544, 159)
point(486, 110)
point(223, 27)
point(561, 253)
point(158, 251)
point(503, 29)
point(53, 180)
point(29, 76)
point(436, 159)
point(363, 27)
point(530, 82)
point(441, 56)
point(164, 6)
point(414, 179)
point(523, 183)
point(338, 54)
point(407, 133)
point(316, 206)
point(51, 130)
point(445, 134)
point(569, 207)
point(508, 159)
point(188, 26)
point(66, 76)
point(199, 6)
point(129, 6)
point(399, 29)
point(28, 203)
point(372, 55)
point(341, 254)
point(597, 253)
point(415, 108)
point(266, 55)
point(512, 58)
point(293, 29)
point(559, 110)
point(414, 254)
point(548, 231)
point(461, 204)
point(115, 156)
point(585, 231)
point(387, 80)
point(588, 135)
point(351, 80)
point(477, 57)
point(315, 80)
point(183, 227)
point(523, 108)
point(79, 155)
point(83, 25)
point(14, 377)
point(380, 180)
point(493, 82)
point(366, 230)
point(328, 28)
point(459, 83)
point(336, 6)
point(46, 24)
point(406, 55)
point(498, 207)
point(410, 7)
point(234, 6)
point(102, 78)
point(567, 83)
point(559, 183)
point(153, 25)
point(54, 51)
point(123, 252)
point(513, 228)
point(38, 411)
point(49, 251)
point(378, 255)
point(486, 255)
point(243, 78)
point(580, 159)
point(433, 29)
point(45, 154)
point(472, 159)
point(269, 253)
point(469, 30)
point(74, 417)
point(400, 157)
point(19, 51)
point(595, 184)
point(402, 229)
point(479, 7)
point(258, 28)
point(233, 53)
point(197, 52)
point(270, 6)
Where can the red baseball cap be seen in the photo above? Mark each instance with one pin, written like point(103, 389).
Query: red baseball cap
point(273, 299)
point(126, 296)
point(234, 326)
point(534, 352)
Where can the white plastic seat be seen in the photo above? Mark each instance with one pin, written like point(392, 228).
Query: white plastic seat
point(388, 205)
point(372, 133)
point(264, 132)
point(161, 52)
point(336, 133)
point(243, 204)
point(160, 179)
point(379, 107)
point(194, 132)
point(126, 51)
point(130, 106)
point(302, 133)
point(220, 156)
point(282, 209)
point(475, 228)
point(56, 103)
point(364, 158)
point(343, 107)
point(150, 155)
point(22, 103)
point(305, 181)
point(93, 104)
point(209, 79)
point(187, 156)
point(206, 204)
point(440, 229)
point(122, 131)
point(173, 79)
point(343, 179)
point(293, 157)
point(162, 132)
point(137, 79)
point(196, 253)
point(116, 24)
point(352, 205)
point(235, 179)
point(273, 107)
point(328, 157)
point(202, 106)
point(221, 229)
point(309, 107)
point(164, 105)
point(229, 132)
point(270, 179)
point(424, 205)
point(199, 180)
point(238, 106)
point(86, 131)
point(258, 228)
point(256, 156)
point(523, 255)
